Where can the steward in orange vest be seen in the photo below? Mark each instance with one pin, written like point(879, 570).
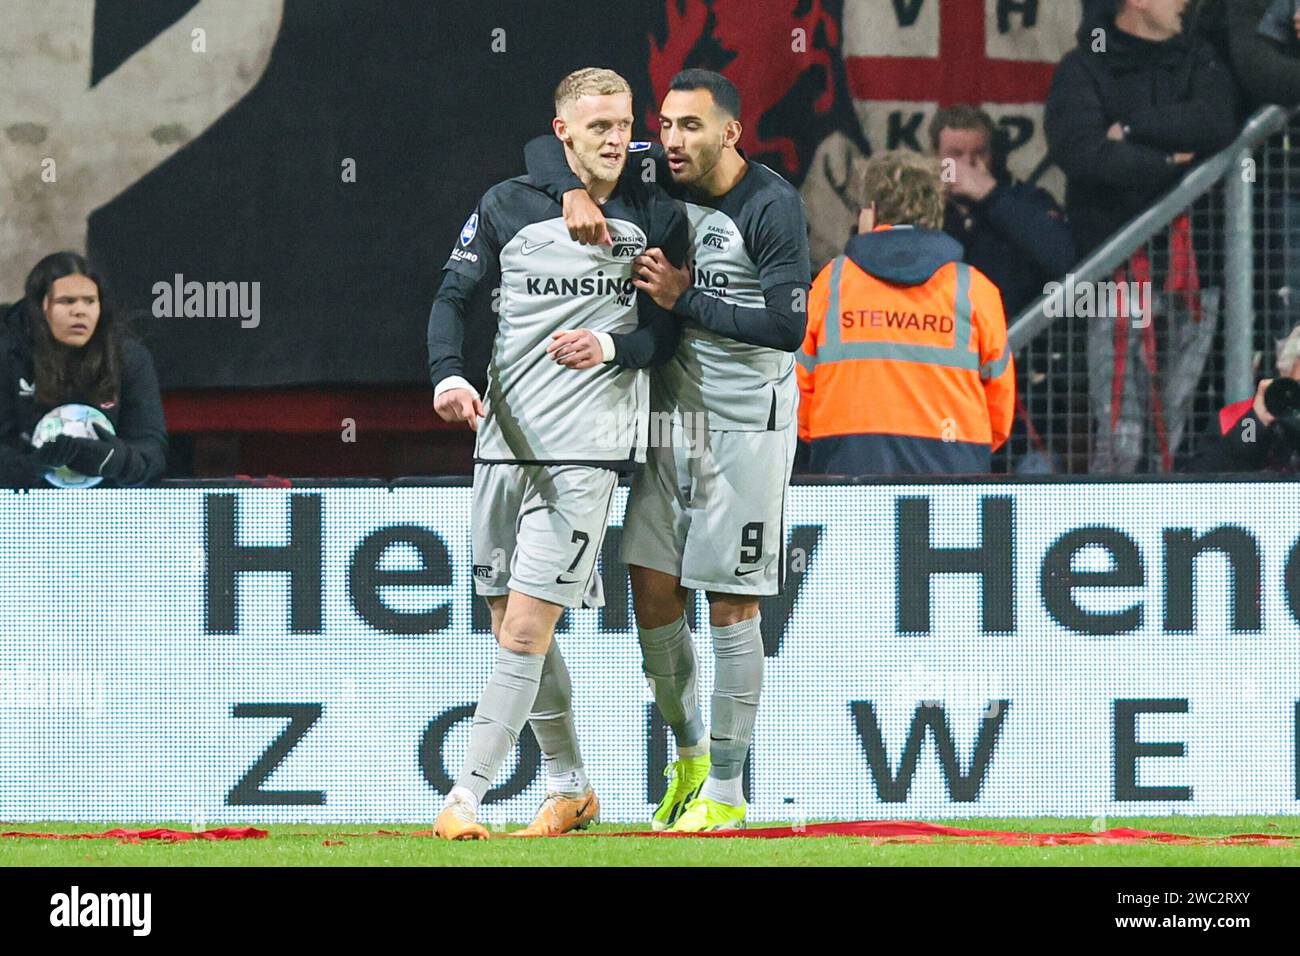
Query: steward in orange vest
point(904, 368)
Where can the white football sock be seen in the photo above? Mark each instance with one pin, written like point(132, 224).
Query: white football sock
point(570, 783)
point(729, 792)
point(463, 794)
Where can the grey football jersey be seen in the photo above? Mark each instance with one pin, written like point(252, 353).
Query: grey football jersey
point(744, 242)
point(535, 409)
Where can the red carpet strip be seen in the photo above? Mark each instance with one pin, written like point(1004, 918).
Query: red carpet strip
point(878, 832)
point(910, 831)
point(137, 836)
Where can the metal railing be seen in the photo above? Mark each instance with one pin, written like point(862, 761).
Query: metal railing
point(1098, 398)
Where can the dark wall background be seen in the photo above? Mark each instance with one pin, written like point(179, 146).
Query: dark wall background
point(410, 90)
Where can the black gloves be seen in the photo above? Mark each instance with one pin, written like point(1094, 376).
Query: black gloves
point(104, 456)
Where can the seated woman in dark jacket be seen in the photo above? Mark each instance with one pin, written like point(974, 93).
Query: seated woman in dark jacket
point(61, 344)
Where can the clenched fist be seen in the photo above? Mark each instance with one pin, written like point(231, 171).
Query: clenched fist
point(585, 221)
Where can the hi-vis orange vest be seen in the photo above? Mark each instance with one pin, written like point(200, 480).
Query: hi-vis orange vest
point(904, 379)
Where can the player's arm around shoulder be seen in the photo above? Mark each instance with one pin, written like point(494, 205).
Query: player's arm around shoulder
point(672, 230)
point(646, 170)
point(549, 169)
point(661, 277)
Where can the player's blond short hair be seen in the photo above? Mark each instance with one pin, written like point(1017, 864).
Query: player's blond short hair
point(906, 188)
point(589, 81)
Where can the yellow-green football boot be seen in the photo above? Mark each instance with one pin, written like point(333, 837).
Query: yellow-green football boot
point(685, 777)
point(703, 815)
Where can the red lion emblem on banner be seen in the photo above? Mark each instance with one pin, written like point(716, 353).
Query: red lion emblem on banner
point(755, 44)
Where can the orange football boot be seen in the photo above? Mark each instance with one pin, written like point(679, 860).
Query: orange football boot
point(456, 822)
point(560, 814)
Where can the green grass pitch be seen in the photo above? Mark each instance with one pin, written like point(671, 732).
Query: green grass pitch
point(340, 845)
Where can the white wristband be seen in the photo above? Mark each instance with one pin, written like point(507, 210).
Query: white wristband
point(453, 381)
point(606, 345)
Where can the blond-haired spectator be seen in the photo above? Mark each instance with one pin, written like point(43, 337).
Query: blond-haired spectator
point(904, 368)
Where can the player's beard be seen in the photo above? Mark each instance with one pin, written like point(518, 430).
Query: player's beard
point(596, 168)
point(700, 166)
